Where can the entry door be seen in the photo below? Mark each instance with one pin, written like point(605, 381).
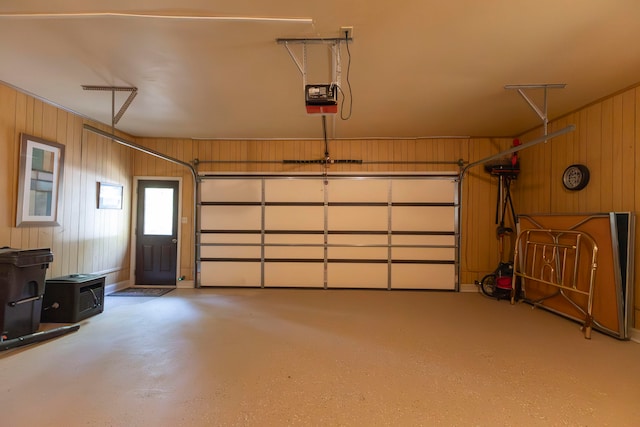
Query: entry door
point(157, 233)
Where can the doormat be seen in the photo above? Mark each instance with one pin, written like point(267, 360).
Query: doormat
point(141, 292)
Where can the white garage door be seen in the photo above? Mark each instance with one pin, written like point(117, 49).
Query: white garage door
point(385, 232)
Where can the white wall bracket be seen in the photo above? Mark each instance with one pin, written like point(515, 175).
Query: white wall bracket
point(115, 117)
point(301, 63)
point(541, 112)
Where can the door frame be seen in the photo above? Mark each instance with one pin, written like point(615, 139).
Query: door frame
point(134, 218)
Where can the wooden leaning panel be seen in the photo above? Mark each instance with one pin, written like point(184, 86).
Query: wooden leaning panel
point(578, 267)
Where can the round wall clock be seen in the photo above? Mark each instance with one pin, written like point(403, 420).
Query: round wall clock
point(575, 177)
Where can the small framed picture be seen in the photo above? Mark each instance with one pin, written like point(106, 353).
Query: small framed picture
point(109, 196)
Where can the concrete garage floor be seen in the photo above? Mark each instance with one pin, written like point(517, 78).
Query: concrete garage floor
point(280, 357)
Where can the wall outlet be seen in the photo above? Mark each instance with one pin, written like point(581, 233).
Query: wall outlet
point(348, 30)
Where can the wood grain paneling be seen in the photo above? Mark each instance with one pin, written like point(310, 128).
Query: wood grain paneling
point(479, 243)
point(87, 240)
point(606, 139)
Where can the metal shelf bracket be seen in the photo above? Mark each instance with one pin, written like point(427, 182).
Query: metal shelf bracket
point(301, 63)
point(541, 112)
point(115, 117)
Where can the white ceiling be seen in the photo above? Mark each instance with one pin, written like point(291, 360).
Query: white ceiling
point(418, 67)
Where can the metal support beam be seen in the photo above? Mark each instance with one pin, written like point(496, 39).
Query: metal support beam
point(504, 153)
point(336, 66)
point(541, 112)
point(293, 57)
point(334, 45)
point(314, 40)
point(115, 117)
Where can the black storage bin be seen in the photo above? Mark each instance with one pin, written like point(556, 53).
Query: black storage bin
point(72, 298)
point(22, 282)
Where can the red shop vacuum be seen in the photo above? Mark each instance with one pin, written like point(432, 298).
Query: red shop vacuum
point(498, 284)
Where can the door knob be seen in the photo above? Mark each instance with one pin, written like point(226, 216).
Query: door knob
point(174, 240)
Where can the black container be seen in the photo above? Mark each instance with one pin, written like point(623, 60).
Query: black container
point(22, 282)
point(72, 298)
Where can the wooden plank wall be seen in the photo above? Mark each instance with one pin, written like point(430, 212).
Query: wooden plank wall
point(97, 241)
point(479, 243)
point(88, 240)
point(606, 139)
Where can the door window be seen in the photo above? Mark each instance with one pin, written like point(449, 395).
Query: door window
point(158, 218)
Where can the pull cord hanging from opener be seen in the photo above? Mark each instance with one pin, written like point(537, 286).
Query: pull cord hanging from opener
point(327, 159)
point(346, 42)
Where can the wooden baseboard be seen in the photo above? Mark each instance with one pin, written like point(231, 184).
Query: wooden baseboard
point(185, 284)
point(109, 289)
point(468, 287)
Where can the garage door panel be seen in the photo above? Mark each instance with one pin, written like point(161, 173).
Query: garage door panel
point(371, 230)
point(409, 218)
point(357, 275)
point(231, 218)
point(231, 190)
point(294, 218)
point(358, 239)
point(364, 246)
point(230, 252)
point(358, 218)
point(294, 238)
point(294, 274)
point(358, 190)
point(358, 253)
point(424, 239)
point(237, 274)
point(295, 252)
point(235, 238)
point(423, 276)
point(432, 254)
point(294, 190)
point(423, 191)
